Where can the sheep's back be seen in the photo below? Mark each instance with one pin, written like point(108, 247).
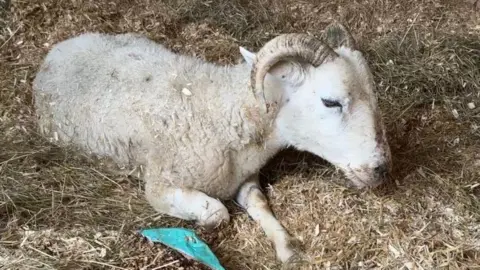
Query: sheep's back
point(106, 93)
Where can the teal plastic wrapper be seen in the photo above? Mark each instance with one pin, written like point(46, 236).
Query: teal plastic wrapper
point(186, 242)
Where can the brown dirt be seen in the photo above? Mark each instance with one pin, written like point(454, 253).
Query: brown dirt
point(61, 210)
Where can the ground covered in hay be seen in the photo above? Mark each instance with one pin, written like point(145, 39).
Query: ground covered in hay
point(60, 210)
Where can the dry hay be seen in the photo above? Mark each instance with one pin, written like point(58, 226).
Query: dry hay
point(60, 210)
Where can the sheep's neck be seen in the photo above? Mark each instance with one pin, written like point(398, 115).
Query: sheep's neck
point(262, 114)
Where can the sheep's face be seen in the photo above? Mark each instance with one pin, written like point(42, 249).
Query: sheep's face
point(328, 104)
point(332, 111)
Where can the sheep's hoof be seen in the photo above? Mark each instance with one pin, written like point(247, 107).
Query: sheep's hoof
point(297, 261)
point(212, 219)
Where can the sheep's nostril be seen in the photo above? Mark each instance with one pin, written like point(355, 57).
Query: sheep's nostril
point(381, 171)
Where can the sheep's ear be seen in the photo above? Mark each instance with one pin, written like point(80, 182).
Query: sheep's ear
point(247, 55)
point(337, 35)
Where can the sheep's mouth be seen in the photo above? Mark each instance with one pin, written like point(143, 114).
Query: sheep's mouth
point(361, 182)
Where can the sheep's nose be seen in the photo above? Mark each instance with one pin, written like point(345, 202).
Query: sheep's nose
point(381, 172)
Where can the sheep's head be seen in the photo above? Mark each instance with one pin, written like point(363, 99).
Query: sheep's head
point(328, 104)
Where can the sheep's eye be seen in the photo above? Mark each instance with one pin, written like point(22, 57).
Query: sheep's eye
point(331, 103)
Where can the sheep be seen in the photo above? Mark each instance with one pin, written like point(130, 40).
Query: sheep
point(202, 131)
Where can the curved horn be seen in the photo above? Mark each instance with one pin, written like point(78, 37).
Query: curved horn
point(296, 46)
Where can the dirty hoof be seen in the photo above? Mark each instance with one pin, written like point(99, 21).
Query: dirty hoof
point(297, 261)
point(292, 255)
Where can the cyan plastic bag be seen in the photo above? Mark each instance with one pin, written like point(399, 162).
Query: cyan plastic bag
point(186, 242)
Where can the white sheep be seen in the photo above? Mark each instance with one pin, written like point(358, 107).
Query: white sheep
point(201, 131)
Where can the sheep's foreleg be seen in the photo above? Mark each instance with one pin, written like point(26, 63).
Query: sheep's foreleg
point(187, 204)
point(251, 198)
